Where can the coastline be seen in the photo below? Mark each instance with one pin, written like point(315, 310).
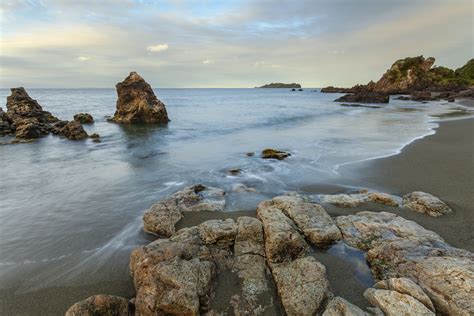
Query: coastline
point(426, 164)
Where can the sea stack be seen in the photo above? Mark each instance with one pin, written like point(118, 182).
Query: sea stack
point(137, 103)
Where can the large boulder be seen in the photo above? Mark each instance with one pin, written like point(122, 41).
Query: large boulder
point(365, 97)
point(137, 102)
point(162, 217)
point(401, 248)
point(393, 303)
point(302, 285)
point(422, 202)
point(311, 219)
point(104, 305)
point(73, 130)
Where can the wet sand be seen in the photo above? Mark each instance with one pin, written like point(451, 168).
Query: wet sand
point(441, 164)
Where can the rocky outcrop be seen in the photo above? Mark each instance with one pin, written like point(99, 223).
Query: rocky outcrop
point(393, 303)
point(397, 247)
point(84, 118)
point(311, 218)
point(137, 102)
point(270, 153)
point(100, 305)
point(365, 97)
point(340, 307)
point(162, 217)
point(422, 202)
point(5, 127)
point(282, 85)
point(73, 130)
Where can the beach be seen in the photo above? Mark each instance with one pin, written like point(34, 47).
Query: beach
point(440, 164)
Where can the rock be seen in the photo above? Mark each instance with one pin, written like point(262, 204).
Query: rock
point(249, 238)
point(311, 219)
point(344, 200)
point(137, 102)
point(270, 153)
point(73, 130)
point(175, 287)
point(403, 98)
point(106, 305)
point(216, 231)
point(94, 136)
point(365, 97)
point(422, 202)
point(84, 118)
point(355, 105)
point(451, 99)
point(406, 286)
point(240, 187)
point(421, 96)
point(281, 85)
point(340, 307)
point(302, 285)
point(21, 106)
point(332, 89)
point(161, 218)
point(393, 303)
point(300, 89)
point(283, 242)
point(401, 248)
point(382, 198)
point(5, 127)
point(250, 154)
point(29, 129)
point(234, 172)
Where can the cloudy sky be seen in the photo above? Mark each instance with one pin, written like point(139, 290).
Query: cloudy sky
point(224, 43)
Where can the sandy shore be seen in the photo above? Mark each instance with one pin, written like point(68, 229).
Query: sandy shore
point(440, 164)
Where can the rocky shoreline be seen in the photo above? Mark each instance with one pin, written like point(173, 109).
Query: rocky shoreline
point(271, 258)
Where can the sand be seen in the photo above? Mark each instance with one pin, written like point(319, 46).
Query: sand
point(441, 164)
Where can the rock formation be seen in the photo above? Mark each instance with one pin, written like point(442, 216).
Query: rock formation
point(100, 305)
point(84, 118)
point(137, 103)
point(422, 202)
point(270, 153)
point(282, 85)
point(365, 97)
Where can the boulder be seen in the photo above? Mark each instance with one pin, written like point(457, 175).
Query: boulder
point(311, 219)
point(406, 286)
point(137, 102)
point(249, 238)
point(161, 218)
point(283, 242)
point(382, 198)
point(84, 118)
point(340, 307)
point(356, 199)
point(106, 305)
point(73, 130)
point(365, 97)
point(393, 303)
point(221, 232)
point(422, 202)
point(29, 129)
point(270, 153)
point(421, 96)
point(302, 285)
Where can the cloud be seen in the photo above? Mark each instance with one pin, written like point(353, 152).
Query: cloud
point(207, 61)
point(83, 58)
point(157, 48)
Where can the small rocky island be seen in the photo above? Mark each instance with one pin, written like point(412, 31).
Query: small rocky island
point(282, 85)
point(137, 103)
point(414, 76)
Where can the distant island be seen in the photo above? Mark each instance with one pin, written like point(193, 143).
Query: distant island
point(282, 85)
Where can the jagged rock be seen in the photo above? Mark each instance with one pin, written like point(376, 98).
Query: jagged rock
point(270, 153)
point(221, 232)
point(302, 285)
point(340, 307)
point(311, 219)
point(365, 97)
point(401, 248)
point(106, 305)
point(21, 106)
point(393, 303)
point(84, 118)
point(137, 102)
point(249, 238)
point(161, 218)
point(422, 202)
point(406, 286)
point(73, 130)
point(29, 129)
point(283, 242)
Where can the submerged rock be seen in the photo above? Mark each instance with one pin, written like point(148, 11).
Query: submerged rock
point(270, 153)
point(340, 307)
point(302, 285)
point(422, 202)
point(393, 303)
point(162, 217)
point(100, 305)
point(137, 102)
point(84, 118)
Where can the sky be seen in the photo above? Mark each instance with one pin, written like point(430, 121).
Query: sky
point(224, 43)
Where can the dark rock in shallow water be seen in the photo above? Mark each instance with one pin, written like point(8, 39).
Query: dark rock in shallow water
point(84, 118)
point(21, 106)
point(270, 153)
point(403, 98)
point(365, 97)
point(137, 102)
point(421, 96)
point(355, 105)
point(30, 129)
point(73, 130)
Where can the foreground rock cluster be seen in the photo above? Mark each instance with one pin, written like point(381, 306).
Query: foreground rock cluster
point(26, 119)
point(277, 272)
point(414, 76)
